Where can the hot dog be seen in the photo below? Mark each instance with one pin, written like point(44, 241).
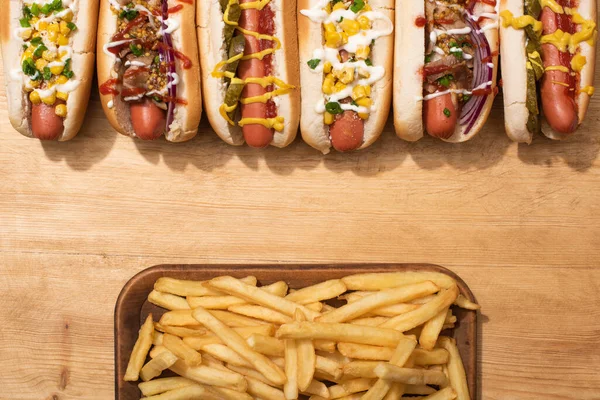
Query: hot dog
point(148, 68)
point(48, 55)
point(249, 52)
point(345, 56)
point(446, 55)
point(548, 47)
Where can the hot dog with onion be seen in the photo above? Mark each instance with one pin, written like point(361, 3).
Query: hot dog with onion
point(548, 53)
point(48, 55)
point(345, 71)
point(148, 68)
point(446, 55)
point(248, 51)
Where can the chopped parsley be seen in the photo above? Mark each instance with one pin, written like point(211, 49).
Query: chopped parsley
point(67, 70)
point(39, 50)
point(71, 26)
point(25, 47)
point(445, 80)
point(313, 63)
point(466, 97)
point(36, 41)
point(447, 113)
point(357, 5)
point(333, 107)
point(128, 14)
point(29, 66)
point(47, 74)
point(136, 49)
point(35, 9)
point(369, 62)
point(24, 22)
point(428, 58)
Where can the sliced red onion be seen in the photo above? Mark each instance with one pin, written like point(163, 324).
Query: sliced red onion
point(482, 73)
point(166, 54)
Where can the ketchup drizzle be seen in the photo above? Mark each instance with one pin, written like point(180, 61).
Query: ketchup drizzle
point(109, 87)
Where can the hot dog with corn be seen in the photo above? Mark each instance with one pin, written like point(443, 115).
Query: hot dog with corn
point(48, 56)
point(148, 68)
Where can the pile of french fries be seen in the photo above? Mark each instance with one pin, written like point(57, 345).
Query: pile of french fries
point(229, 339)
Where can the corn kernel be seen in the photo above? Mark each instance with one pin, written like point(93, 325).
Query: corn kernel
point(364, 22)
point(68, 17)
point(33, 20)
point(344, 37)
point(358, 92)
point(26, 33)
point(328, 8)
point(328, 84)
point(40, 63)
point(49, 55)
point(327, 67)
point(43, 26)
point(62, 40)
point(339, 5)
point(327, 118)
point(363, 73)
point(28, 53)
point(363, 52)
point(64, 29)
point(35, 98)
point(350, 26)
point(35, 84)
point(346, 75)
point(333, 39)
point(53, 27)
point(330, 27)
point(62, 95)
point(367, 8)
point(62, 79)
point(57, 70)
point(339, 86)
point(363, 115)
point(364, 102)
point(50, 99)
point(368, 90)
point(53, 36)
point(61, 110)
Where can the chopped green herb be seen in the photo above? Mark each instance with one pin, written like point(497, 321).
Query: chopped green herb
point(341, 19)
point(466, 97)
point(333, 107)
point(457, 53)
point(452, 44)
point(444, 81)
point(357, 5)
point(428, 58)
point(372, 42)
point(25, 47)
point(157, 99)
point(136, 49)
point(128, 14)
point(313, 63)
point(354, 103)
point(447, 113)
point(57, 5)
point(27, 12)
point(35, 9)
point(369, 62)
point(67, 70)
point(39, 50)
point(334, 2)
point(24, 22)
point(47, 74)
point(156, 59)
point(468, 44)
point(71, 26)
point(36, 41)
point(29, 66)
point(46, 9)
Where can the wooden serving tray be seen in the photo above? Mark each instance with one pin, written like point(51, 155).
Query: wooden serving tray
point(132, 306)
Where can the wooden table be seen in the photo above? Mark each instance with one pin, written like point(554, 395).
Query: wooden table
point(521, 224)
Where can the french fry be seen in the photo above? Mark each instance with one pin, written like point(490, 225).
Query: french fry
point(212, 362)
point(307, 358)
point(401, 354)
point(279, 288)
point(266, 345)
point(324, 345)
point(210, 376)
point(317, 306)
point(252, 373)
point(140, 350)
point(369, 321)
point(386, 280)
point(412, 319)
point(196, 343)
point(168, 301)
point(361, 369)
point(443, 394)
point(181, 331)
point(394, 309)
point(239, 345)
point(157, 365)
point(410, 376)
point(260, 312)
point(431, 330)
point(319, 292)
point(214, 302)
point(290, 387)
point(254, 295)
point(178, 318)
point(328, 366)
point(185, 288)
point(317, 388)
point(224, 353)
point(158, 339)
point(223, 393)
point(456, 369)
point(365, 351)
point(339, 332)
point(432, 357)
point(423, 300)
point(349, 387)
point(396, 392)
point(178, 347)
point(465, 303)
point(418, 389)
point(183, 393)
point(378, 300)
point(261, 390)
point(236, 320)
point(161, 385)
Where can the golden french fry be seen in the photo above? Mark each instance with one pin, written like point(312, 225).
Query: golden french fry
point(361, 369)
point(318, 306)
point(317, 388)
point(157, 365)
point(212, 362)
point(260, 312)
point(327, 308)
point(380, 299)
point(410, 376)
point(394, 309)
point(307, 358)
point(178, 318)
point(279, 289)
point(185, 288)
point(386, 280)
point(254, 295)
point(349, 387)
point(214, 302)
point(210, 376)
point(324, 345)
point(396, 392)
point(365, 351)
point(328, 366)
point(369, 321)
point(251, 372)
point(158, 339)
point(431, 330)
point(456, 369)
point(183, 393)
point(339, 332)
point(196, 343)
point(236, 320)
point(423, 300)
point(266, 345)
point(193, 331)
point(465, 303)
point(432, 357)
point(443, 394)
point(182, 350)
point(319, 292)
point(261, 390)
point(239, 345)
point(168, 301)
point(423, 390)
point(140, 350)
point(412, 319)
point(224, 353)
point(161, 385)
point(290, 388)
point(223, 393)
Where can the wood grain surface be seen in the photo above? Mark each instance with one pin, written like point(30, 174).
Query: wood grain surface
point(520, 224)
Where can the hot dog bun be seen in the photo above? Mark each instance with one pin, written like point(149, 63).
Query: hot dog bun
point(82, 41)
point(186, 116)
point(314, 131)
point(210, 41)
point(409, 56)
